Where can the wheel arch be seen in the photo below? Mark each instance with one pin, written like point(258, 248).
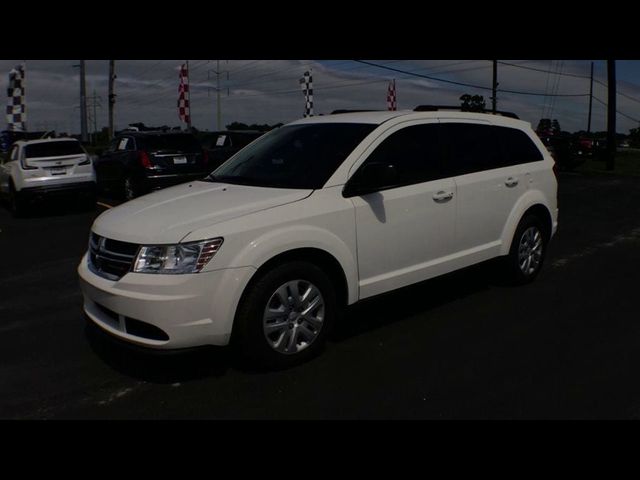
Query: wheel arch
point(536, 204)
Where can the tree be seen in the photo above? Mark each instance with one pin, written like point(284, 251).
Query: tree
point(472, 103)
point(634, 137)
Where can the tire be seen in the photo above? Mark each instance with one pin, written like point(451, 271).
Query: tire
point(129, 188)
point(16, 204)
point(265, 335)
point(528, 250)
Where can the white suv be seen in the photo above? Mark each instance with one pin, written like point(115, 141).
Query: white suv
point(37, 168)
point(314, 216)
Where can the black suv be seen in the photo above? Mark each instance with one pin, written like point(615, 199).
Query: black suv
point(138, 162)
point(222, 145)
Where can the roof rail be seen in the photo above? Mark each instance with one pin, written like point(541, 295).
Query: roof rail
point(435, 108)
point(335, 112)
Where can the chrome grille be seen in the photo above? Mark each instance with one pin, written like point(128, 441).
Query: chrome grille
point(111, 259)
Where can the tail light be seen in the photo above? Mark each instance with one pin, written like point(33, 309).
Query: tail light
point(145, 161)
point(205, 158)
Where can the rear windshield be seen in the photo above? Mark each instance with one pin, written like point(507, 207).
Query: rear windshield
point(53, 149)
point(174, 142)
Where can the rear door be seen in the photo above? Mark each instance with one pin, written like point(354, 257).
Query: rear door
point(114, 163)
point(487, 187)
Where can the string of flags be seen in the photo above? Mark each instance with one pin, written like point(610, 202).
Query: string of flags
point(392, 103)
point(184, 112)
point(306, 83)
point(16, 104)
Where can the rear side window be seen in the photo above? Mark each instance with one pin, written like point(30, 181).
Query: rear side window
point(471, 148)
point(519, 148)
point(172, 142)
point(414, 151)
point(53, 149)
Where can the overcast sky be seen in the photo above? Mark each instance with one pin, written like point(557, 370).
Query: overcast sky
point(268, 91)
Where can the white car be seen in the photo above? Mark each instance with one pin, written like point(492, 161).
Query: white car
point(38, 168)
point(314, 216)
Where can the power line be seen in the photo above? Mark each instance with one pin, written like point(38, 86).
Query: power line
point(566, 74)
point(617, 111)
point(469, 84)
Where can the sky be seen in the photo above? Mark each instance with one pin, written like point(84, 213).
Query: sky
point(268, 91)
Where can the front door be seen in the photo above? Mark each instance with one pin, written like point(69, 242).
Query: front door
point(405, 228)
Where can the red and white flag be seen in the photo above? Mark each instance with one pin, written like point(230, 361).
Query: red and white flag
point(391, 96)
point(183, 95)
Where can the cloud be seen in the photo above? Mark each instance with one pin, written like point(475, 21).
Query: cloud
point(268, 91)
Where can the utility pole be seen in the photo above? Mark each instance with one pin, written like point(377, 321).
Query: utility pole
point(93, 115)
point(83, 103)
point(218, 103)
point(494, 98)
point(611, 114)
point(112, 96)
point(590, 100)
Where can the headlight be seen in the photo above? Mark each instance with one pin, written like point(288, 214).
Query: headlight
point(180, 258)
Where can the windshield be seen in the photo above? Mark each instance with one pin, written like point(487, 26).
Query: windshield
point(173, 142)
point(295, 156)
point(53, 149)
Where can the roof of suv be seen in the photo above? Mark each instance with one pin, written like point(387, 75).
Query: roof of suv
point(150, 133)
point(44, 140)
point(379, 117)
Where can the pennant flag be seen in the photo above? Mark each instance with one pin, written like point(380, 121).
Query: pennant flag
point(306, 83)
point(183, 96)
point(16, 105)
point(391, 96)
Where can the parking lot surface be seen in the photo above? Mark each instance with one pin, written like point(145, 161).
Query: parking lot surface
point(463, 346)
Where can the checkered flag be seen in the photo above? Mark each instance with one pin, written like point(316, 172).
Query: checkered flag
point(306, 83)
point(391, 96)
point(183, 95)
point(16, 105)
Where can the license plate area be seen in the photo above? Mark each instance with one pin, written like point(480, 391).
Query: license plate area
point(179, 160)
point(58, 170)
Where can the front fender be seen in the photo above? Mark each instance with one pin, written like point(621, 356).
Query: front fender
point(275, 242)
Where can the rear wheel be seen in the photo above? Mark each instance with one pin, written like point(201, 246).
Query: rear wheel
point(528, 250)
point(16, 204)
point(285, 316)
point(130, 188)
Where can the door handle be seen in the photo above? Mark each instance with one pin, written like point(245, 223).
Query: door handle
point(442, 196)
point(511, 182)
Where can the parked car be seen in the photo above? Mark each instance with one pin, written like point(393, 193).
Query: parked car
point(38, 168)
point(314, 216)
point(223, 145)
point(139, 162)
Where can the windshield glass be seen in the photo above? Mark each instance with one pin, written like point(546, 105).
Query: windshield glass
point(295, 156)
point(172, 142)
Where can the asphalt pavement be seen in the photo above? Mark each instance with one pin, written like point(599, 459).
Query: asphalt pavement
point(462, 346)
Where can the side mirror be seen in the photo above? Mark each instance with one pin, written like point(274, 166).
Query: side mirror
point(372, 177)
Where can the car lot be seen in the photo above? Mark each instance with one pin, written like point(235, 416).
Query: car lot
point(460, 346)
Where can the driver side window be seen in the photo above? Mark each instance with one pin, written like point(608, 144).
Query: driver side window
point(414, 152)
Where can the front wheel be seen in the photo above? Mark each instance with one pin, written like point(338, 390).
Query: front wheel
point(285, 316)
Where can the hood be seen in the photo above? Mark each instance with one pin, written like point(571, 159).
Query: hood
point(167, 216)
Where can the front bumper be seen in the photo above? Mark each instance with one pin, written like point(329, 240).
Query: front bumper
point(165, 311)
